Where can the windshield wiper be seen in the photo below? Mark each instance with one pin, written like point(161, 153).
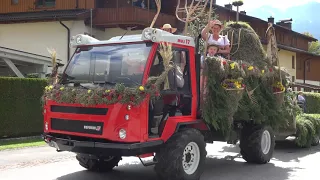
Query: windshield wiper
point(111, 83)
point(127, 78)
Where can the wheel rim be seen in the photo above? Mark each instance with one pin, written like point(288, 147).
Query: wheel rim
point(191, 158)
point(265, 142)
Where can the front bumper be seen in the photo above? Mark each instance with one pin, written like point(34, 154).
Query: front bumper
point(101, 148)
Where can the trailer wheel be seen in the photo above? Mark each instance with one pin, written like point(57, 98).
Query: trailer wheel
point(257, 144)
point(182, 157)
point(104, 164)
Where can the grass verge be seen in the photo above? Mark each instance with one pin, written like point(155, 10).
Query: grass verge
point(21, 143)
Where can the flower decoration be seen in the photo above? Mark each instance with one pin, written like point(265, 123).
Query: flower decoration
point(232, 84)
point(141, 88)
point(232, 65)
point(278, 87)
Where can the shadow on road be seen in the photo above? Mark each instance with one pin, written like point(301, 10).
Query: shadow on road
point(285, 151)
point(221, 169)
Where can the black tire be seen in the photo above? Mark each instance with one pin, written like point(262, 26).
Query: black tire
point(105, 164)
point(170, 157)
point(250, 144)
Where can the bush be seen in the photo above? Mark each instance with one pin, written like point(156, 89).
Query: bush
point(20, 106)
point(313, 102)
point(308, 126)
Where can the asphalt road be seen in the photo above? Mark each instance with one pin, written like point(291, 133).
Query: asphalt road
point(223, 163)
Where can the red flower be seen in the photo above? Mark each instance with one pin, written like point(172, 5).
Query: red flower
point(119, 97)
point(243, 66)
point(153, 86)
point(224, 62)
point(157, 93)
point(270, 69)
point(132, 98)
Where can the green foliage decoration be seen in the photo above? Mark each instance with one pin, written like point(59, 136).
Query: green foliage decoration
point(308, 126)
point(221, 107)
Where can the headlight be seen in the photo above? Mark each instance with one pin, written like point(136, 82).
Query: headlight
point(122, 134)
point(129, 107)
point(126, 117)
point(79, 40)
point(146, 34)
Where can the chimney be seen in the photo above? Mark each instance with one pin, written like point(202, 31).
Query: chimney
point(286, 23)
point(228, 6)
point(271, 20)
point(243, 12)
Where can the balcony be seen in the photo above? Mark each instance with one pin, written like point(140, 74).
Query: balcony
point(129, 17)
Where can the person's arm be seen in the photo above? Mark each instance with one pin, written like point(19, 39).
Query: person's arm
point(205, 32)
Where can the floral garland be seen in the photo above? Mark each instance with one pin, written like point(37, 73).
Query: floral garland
point(122, 94)
point(234, 71)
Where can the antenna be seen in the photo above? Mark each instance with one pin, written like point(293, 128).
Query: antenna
point(128, 29)
point(190, 12)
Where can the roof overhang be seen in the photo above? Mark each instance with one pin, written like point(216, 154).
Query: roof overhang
point(52, 15)
point(26, 57)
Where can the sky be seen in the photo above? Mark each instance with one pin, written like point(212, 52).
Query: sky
point(279, 4)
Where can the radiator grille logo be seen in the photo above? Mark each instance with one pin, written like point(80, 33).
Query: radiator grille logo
point(96, 128)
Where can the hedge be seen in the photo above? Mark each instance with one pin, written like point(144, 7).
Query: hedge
point(20, 106)
point(313, 102)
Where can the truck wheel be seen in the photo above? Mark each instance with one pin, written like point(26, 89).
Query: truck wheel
point(182, 157)
point(98, 165)
point(257, 144)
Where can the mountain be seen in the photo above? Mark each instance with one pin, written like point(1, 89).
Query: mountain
point(304, 18)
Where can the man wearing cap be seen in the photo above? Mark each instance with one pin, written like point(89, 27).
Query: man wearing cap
point(215, 38)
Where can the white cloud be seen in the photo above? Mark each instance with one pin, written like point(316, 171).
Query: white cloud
point(279, 4)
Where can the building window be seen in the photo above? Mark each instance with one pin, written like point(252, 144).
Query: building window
point(293, 63)
point(14, 2)
point(46, 3)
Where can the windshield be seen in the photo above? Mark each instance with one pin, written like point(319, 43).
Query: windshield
point(120, 63)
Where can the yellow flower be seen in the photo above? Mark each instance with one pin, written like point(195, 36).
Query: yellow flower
point(262, 71)
point(141, 88)
point(108, 90)
point(46, 88)
point(232, 65)
point(250, 68)
point(62, 88)
point(89, 91)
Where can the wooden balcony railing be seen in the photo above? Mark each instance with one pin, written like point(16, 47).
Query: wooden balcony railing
point(111, 17)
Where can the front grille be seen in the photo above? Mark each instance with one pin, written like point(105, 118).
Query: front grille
point(78, 126)
point(79, 110)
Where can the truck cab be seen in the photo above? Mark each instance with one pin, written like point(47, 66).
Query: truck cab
point(120, 129)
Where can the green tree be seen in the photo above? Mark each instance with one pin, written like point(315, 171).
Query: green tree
point(314, 47)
